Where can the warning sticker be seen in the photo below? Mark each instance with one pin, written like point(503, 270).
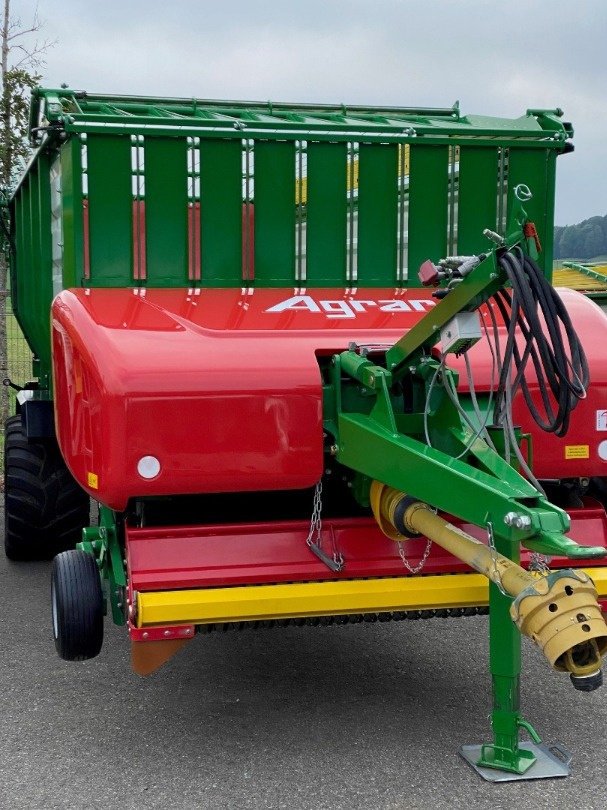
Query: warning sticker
point(601, 420)
point(92, 480)
point(577, 451)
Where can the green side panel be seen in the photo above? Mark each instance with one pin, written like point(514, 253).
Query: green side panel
point(166, 211)
point(22, 260)
point(29, 285)
point(41, 285)
point(221, 213)
point(428, 206)
point(110, 210)
point(71, 202)
point(477, 197)
point(326, 221)
point(531, 167)
point(547, 254)
point(274, 214)
point(31, 276)
point(377, 215)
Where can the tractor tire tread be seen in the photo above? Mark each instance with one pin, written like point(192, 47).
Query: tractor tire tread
point(45, 509)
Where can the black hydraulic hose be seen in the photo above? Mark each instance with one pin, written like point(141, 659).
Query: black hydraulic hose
point(535, 311)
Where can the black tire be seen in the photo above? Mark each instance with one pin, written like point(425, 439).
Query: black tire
point(77, 606)
point(44, 508)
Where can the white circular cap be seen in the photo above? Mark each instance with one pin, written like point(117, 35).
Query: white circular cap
point(603, 450)
point(148, 467)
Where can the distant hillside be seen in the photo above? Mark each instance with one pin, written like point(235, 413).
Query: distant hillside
point(585, 240)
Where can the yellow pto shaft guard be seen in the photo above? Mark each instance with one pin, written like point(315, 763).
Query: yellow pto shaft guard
point(559, 612)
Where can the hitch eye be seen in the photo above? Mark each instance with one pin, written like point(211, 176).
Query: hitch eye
point(148, 467)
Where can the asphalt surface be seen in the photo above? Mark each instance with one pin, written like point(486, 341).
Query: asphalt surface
point(365, 716)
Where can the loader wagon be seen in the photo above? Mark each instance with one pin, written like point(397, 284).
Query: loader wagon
point(308, 362)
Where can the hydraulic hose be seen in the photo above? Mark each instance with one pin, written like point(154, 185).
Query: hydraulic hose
point(550, 341)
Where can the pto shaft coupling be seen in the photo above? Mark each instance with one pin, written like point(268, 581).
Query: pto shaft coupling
point(558, 612)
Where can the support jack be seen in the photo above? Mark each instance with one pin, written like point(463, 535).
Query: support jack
point(535, 762)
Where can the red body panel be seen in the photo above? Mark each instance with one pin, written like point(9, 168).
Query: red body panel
point(223, 386)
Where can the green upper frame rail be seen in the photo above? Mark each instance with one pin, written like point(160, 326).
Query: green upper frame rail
point(137, 191)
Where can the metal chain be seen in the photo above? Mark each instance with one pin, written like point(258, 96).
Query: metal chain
point(539, 563)
point(316, 519)
point(314, 539)
point(414, 569)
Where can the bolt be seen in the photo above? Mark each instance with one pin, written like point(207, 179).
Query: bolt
point(372, 380)
point(146, 635)
point(492, 276)
point(509, 518)
point(167, 633)
point(334, 449)
point(522, 522)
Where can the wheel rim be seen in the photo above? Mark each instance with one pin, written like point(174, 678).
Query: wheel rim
point(54, 611)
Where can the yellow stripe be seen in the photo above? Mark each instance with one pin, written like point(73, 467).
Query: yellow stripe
point(259, 602)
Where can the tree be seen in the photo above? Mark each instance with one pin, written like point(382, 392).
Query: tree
point(22, 53)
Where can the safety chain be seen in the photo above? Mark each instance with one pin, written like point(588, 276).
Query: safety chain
point(539, 563)
point(314, 539)
point(414, 569)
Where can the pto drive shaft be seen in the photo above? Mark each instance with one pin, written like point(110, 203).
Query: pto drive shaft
point(559, 612)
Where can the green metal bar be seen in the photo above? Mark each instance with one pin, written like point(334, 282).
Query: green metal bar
point(477, 194)
point(428, 212)
point(166, 211)
point(470, 293)
point(110, 210)
point(505, 666)
point(547, 252)
point(326, 219)
point(40, 281)
point(411, 466)
point(586, 270)
point(221, 213)
point(132, 126)
point(71, 200)
point(274, 214)
point(377, 216)
point(530, 168)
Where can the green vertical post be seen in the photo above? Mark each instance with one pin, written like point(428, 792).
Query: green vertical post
point(110, 210)
point(428, 206)
point(166, 211)
point(530, 167)
point(274, 214)
point(505, 666)
point(377, 215)
point(221, 213)
point(71, 205)
point(326, 222)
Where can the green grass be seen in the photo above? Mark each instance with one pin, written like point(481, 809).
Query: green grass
point(19, 367)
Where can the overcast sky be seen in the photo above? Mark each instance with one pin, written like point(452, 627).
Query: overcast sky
point(496, 58)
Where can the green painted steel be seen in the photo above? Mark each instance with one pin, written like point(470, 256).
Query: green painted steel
point(166, 212)
point(110, 205)
point(428, 206)
point(326, 215)
point(531, 168)
point(274, 214)
point(377, 216)
point(72, 222)
point(221, 216)
point(477, 190)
